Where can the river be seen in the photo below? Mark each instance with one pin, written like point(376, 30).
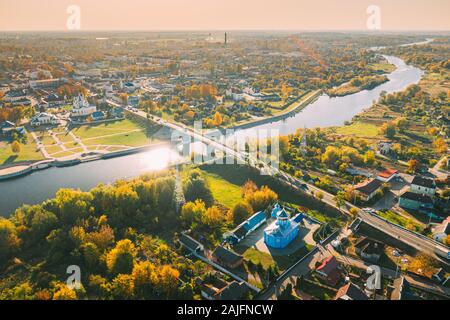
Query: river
point(324, 112)
point(335, 111)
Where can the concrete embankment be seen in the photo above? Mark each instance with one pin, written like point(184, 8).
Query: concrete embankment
point(305, 100)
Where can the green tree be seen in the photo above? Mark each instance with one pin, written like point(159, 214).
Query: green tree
point(240, 212)
point(121, 259)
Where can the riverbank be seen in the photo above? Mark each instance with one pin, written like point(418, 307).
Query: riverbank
point(290, 111)
point(13, 171)
point(357, 84)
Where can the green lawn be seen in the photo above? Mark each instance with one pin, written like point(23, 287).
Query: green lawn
point(131, 139)
point(223, 191)
point(359, 129)
point(385, 67)
point(28, 152)
point(259, 257)
point(400, 220)
point(107, 128)
point(233, 177)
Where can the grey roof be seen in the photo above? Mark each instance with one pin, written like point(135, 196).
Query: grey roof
point(416, 197)
point(190, 242)
point(233, 291)
point(226, 255)
point(369, 187)
point(423, 182)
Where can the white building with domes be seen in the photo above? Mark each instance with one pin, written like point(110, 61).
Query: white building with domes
point(81, 107)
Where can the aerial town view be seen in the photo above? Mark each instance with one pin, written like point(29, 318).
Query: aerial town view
point(224, 150)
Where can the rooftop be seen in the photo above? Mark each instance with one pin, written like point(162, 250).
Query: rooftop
point(416, 197)
point(368, 187)
point(423, 182)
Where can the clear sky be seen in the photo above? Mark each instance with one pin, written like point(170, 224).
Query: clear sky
point(224, 14)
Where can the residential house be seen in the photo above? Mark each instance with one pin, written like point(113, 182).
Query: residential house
point(133, 101)
point(422, 185)
point(53, 100)
point(387, 175)
point(7, 128)
point(15, 95)
point(22, 102)
point(442, 231)
point(351, 292)
point(369, 249)
point(190, 243)
point(227, 257)
point(117, 112)
point(46, 83)
point(415, 201)
point(354, 171)
point(368, 189)
point(329, 270)
point(219, 289)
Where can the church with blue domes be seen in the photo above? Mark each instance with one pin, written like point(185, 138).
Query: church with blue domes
point(281, 233)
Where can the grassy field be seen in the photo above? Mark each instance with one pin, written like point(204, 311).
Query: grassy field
point(131, 139)
point(227, 180)
point(359, 129)
point(384, 67)
point(400, 220)
point(103, 129)
point(223, 191)
point(259, 257)
point(28, 152)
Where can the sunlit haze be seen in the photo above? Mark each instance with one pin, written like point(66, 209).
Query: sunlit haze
point(404, 15)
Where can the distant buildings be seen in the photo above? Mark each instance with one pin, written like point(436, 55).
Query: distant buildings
point(15, 95)
point(190, 243)
point(98, 115)
point(43, 118)
point(46, 83)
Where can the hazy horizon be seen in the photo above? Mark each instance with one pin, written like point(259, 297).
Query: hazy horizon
point(232, 15)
